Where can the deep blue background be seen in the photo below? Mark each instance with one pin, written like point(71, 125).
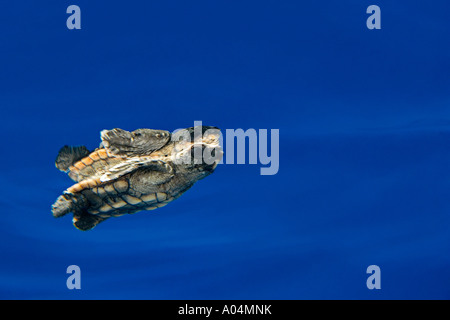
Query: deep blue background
point(364, 120)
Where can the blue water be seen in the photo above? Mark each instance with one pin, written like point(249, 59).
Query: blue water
point(364, 120)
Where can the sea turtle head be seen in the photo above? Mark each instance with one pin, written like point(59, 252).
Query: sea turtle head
point(197, 149)
point(147, 140)
point(139, 142)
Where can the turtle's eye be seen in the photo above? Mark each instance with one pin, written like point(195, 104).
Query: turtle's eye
point(158, 135)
